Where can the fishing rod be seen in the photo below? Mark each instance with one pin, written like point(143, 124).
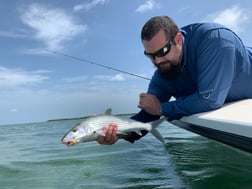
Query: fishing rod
point(93, 63)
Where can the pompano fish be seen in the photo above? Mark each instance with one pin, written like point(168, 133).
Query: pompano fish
point(90, 128)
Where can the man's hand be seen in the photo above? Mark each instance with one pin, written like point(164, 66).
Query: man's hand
point(110, 135)
point(149, 103)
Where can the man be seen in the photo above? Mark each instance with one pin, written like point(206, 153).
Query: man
point(202, 66)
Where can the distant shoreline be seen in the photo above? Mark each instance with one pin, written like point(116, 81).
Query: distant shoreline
point(75, 118)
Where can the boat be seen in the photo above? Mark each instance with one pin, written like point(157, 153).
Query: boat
point(231, 124)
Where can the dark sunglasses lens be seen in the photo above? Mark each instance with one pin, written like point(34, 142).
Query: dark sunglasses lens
point(160, 53)
point(164, 51)
point(150, 56)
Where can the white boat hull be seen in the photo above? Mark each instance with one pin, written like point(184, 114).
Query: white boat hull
point(231, 124)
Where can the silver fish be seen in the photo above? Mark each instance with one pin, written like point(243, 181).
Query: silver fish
point(90, 128)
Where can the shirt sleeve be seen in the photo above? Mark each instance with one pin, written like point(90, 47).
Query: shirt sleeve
point(215, 67)
point(215, 60)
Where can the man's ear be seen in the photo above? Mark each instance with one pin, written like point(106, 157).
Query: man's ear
point(178, 39)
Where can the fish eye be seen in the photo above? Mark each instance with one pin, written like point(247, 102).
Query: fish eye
point(74, 130)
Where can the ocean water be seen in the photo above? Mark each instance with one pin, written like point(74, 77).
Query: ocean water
point(32, 157)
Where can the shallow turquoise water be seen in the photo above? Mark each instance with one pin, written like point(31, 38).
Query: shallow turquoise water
point(32, 157)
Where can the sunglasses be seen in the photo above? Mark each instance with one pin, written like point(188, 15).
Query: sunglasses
point(161, 52)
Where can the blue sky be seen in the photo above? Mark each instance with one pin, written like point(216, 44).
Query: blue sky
point(36, 85)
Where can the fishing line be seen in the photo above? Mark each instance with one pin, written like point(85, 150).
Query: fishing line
point(93, 63)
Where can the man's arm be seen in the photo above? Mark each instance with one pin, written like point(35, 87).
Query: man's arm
point(215, 59)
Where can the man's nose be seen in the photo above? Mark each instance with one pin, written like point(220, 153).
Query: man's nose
point(157, 60)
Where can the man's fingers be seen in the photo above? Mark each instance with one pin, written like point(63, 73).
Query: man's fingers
point(149, 103)
point(110, 135)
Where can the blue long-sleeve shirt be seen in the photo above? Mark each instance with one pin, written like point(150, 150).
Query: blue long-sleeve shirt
point(217, 68)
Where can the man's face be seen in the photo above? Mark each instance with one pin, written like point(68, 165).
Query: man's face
point(165, 55)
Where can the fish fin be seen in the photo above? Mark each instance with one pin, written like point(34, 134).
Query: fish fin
point(155, 124)
point(138, 132)
point(108, 111)
point(157, 134)
point(154, 131)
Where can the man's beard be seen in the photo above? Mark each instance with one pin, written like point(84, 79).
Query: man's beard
point(171, 72)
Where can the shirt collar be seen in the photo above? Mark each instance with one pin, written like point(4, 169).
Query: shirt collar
point(184, 46)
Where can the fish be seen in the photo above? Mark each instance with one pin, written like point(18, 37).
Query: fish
point(91, 128)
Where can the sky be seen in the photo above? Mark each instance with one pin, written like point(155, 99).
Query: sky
point(37, 85)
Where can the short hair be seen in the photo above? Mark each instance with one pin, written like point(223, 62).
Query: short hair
point(153, 25)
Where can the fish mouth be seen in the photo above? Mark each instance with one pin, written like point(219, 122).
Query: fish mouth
point(69, 142)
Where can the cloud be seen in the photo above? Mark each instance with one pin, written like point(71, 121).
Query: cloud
point(14, 110)
point(75, 79)
point(16, 77)
point(88, 6)
point(95, 78)
point(147, 6)
point(117, 77)
point(235, 18)
point(53, 27)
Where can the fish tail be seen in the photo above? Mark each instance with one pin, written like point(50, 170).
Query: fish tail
point(154, 131)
